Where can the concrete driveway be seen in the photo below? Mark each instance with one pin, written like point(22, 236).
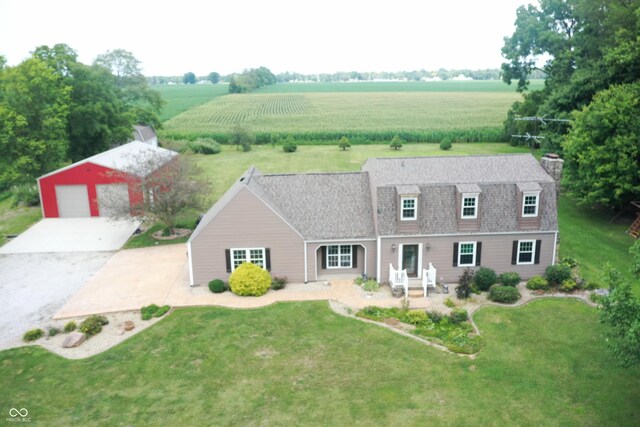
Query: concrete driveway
point(72, 235)
point(129, 280)
point(35, 286)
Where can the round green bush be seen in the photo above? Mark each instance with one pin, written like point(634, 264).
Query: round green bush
point(217, 286)
point(205, 146)
point(415, 317)
point(504, 294)
point(458, 315)
point(538, 283)
point(568, 285)
point(509, 279)
point(445, 144)
point(92, 325)
point(484, 278)
point(250, 280)
point(70, 326)
point(33, 335)
point(556, 274)
point(289, 147)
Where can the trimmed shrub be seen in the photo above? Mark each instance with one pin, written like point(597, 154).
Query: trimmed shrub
point(568, 285)
point(32, 335)
point(70, 326)
point(150, 311)
point(538, 283)
point(289, 147)
point(415, 317)
point(458, 315)
point(509, 279)
point(250, 280)
point(465, 281)
point(396, 143)
point(435, 316)
point(556, 274)
point(504, 294)
point(445, 144)
point(484, 278)
point(92, 325)
point(278, 282)
point(204, 146)
point(216, 286)
point(53, 331)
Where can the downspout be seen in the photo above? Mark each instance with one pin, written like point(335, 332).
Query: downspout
point(555, 245)
point(378, 244)
point(190, 264)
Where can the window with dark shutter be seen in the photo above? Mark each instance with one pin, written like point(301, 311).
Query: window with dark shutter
point(323, 254)
point(354, 256)
point(227, 254)
point(514, 253)
point(267, 256)
point(537, 255)
point(478, 252)
point(455, 254)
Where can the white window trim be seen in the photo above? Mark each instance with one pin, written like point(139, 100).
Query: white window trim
point(533, 252)
point(415, 208)
point(247, 256)
point(475, 211)
point(475, 252)
point(529, 194)
point(339, 255)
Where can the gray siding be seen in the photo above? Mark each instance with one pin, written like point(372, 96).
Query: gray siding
point(246, 222)
point(314, 260)
point(496, 253)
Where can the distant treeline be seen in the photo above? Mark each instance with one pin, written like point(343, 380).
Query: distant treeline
point(343, 76)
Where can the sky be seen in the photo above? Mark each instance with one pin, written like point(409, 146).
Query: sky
point(229, 36)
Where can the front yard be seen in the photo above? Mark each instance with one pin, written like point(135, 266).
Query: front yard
point(300, 363)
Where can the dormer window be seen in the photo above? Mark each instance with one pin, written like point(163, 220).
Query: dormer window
point(469, 206)
point(530, 204)
point(409, 208)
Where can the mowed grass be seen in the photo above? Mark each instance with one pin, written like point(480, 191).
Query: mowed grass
point(180, 98)
point(302, 364)
point(346, 112)
point(16, 219)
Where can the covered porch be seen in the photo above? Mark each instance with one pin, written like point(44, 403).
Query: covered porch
point(340, 260)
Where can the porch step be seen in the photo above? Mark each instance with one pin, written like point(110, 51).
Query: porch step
point(416, 293)
point(634, 230)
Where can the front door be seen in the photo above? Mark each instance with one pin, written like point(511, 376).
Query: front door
point(410, 260)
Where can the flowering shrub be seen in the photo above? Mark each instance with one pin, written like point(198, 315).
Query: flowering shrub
point(250, 280)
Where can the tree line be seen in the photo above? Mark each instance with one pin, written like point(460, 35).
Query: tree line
point(54, 109)
point(589, 52)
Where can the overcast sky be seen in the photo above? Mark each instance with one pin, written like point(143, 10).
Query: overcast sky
point(284, 35)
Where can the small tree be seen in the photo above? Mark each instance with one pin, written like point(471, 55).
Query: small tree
point(464, 284)
point(241, 137)
point(445, 144)
point(396, 143)
point(189, 78)
point(166, 188)
point(344, 143)
point(213, 77)
point(289, 145)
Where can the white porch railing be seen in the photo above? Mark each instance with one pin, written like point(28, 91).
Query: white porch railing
point(428, 279)
point(399, 279)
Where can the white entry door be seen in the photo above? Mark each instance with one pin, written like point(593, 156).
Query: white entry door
point(73, 201)
point(113, 199)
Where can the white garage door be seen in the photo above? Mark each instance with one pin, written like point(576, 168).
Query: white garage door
point(113, 199)
point(73, 201)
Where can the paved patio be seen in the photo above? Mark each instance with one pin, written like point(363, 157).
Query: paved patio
point(137, 277)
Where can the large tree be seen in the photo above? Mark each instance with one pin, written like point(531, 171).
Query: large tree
point(143, 103)
point(34, 108)
point(602, 150)
point(189, 78)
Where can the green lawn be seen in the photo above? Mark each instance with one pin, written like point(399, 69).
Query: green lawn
point(16, 219)
point(301, 364)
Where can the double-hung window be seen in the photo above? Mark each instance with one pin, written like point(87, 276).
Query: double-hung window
point(409, 208)
point(530, 204)
point(467, 254)
point(339, 256)
point(254, 255)
point(469, 206)
point(526, 251)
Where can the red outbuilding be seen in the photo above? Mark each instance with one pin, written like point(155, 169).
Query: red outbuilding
point(90, 187)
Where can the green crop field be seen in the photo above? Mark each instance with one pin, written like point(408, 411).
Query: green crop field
point(314, 116)
point(180, 98)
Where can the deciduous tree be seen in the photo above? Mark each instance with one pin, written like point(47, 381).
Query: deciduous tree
point(189, 78)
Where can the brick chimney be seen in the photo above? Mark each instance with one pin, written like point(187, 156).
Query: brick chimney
point(553, 164)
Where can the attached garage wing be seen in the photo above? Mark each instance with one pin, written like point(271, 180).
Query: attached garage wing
point(113, 199)
point(73, 201)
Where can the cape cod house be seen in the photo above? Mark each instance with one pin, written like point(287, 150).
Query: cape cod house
point(396, 219)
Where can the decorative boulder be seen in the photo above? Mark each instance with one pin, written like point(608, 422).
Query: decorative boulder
point(129, 325)
point(74, 339)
